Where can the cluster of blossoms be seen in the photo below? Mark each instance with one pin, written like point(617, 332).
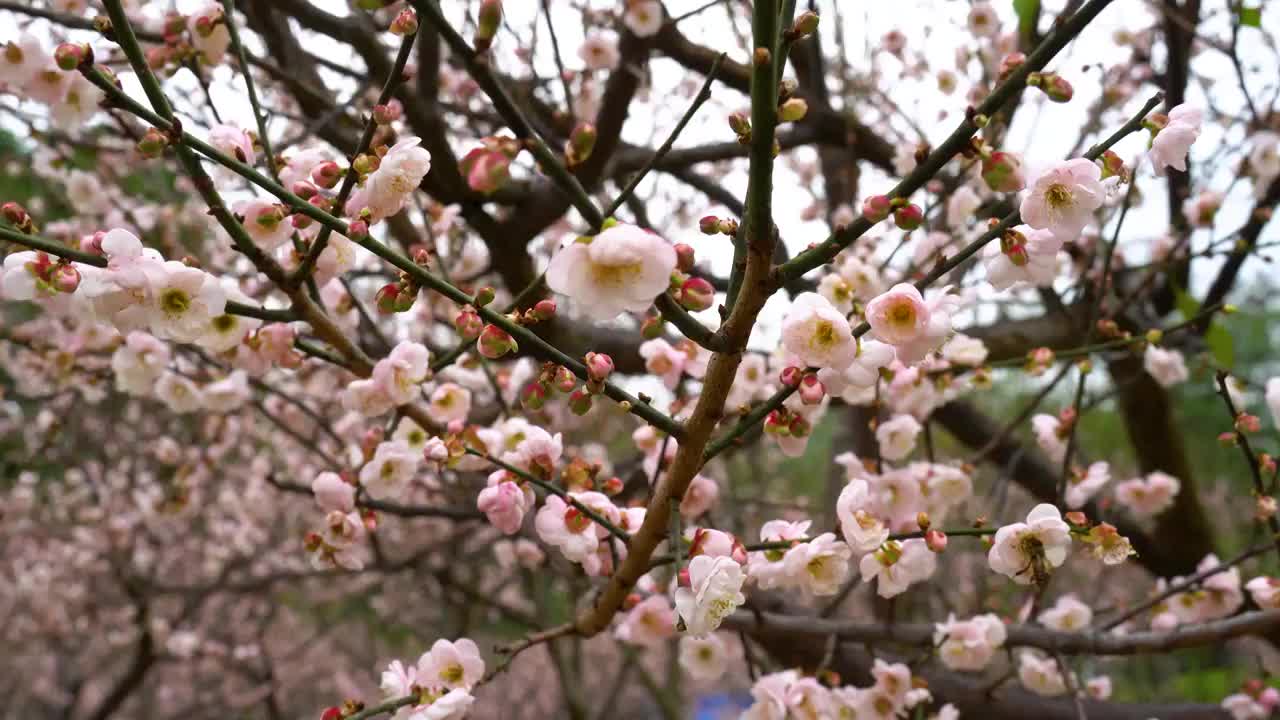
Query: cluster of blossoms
point(894, 693)
point(440, 684)
point(30, 71)
point(1218, 595)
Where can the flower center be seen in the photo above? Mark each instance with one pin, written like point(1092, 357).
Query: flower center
point(452, 674)
point(174, 302)
point(825, 333)
point(1058, 196)
point(902, 315)
point(613, 276)
point(224, 323)
point(13, 53)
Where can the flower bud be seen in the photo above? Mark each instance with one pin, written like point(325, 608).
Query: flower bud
point(1113, 166)
point(534, 395)
point(365, 163)
point(582, 142)
point(70, 56)
point(1247, 423)
point(564, 379)
point(728, 226)
point(1052, 85)
point(334, 712)
point(599, 366)
point(1011, 62)
point(1227, 439)
point(908, 217)
point(487, 21)
point(580, 402)
point(357, 229)
point(612, 486)
point(66, 278)
point(740, 124)
point(684, 257)
point(484, 296)
point(468, 324)
point(696, 294)
point(709, 225)
point(1002, 172)
point(152, 144)
point(776, 423)
point(876, 208)
point(793, 110)
point(406, 23)
point(542, 311)
point(652, 328)
point(387, 113)
point(811, 390)
point(494, 342)
point(936, 540)
point(16, 215)
point(386, 299)
point(791, 376)
point(1264, 507)
point(806, 24)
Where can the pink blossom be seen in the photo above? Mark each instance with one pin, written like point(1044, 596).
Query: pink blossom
point(969, 645)
point(1068, 614)
point(901, 317)
point(450, 402)
point(700, 497)
point(1149, 495)
point(818, 567)
point(233, 141)
point(504, 503)
point(454, 665)
point(1040, 674)
point(714, 592)
point(1081, 488)
point(22, 61)
point(398, 176)
point(1063, 198)
point(705, 659)
point(333, 493)
point(663, 360)
point(1265, 592)
point(390, 471)
point(265, 222)
point(897, 565)
point(1166, 366)
point(1024, 255)
point(621, 269)
point(1027, 551)
point(402, 371)
point(599, 51)
point(1170, 145)
point(818, 334)
point(208, 32)
point(649, 623)
point(643, 17)
point(897, 436)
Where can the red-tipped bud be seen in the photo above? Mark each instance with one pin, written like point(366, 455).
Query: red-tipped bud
point(1052, 85)
point(370, 440)
point(1002, 171)
point(652, 328)
point(580, 402)
point(487, 21)
point(876, 208)
point(300, 221)
point(357, 229)
point(1247, 423)
point(326, 174)
point(406, 23)
point(534, 395)
point(599, 366)
point(740, 124)
point(387, 298)
point(709, 225)
point(685, 257)
point(93, 243)
point(152, 144)
point(908, 217)
point(582, 142)
point(468, 324)
point(304, 189)
point(542, 311)
point(66, 278)
point(811, 390)
point(1113, 166)
point(612, 486)
point(70, 56)
point(486, 170)
point(936, 540)
point(777, 423)
point(1227, 439)
point(494, 342)
point(330, 713)
point(17, 216)
point(696, 294)
point(791, 376)
point(563, 379)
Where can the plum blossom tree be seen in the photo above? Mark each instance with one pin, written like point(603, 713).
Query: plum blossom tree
point(414, 359)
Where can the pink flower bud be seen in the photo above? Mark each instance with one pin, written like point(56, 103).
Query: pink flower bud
point(811, 390)
point(494, 342)
point(777, 423)
point(682, 578)
point(564, 379)
point(1113, 166)
point(908, 217)
point(1011, 62)
point(685, 257)
point(406, 23)
point(1269, 698)
point(16, 215)
point(326, 174)
point(1247, 423)
point(1264, 507)
point(487, 21)
point(370, 440)
point(580, 402)
point(486, 170)
point(1053, 85)
point(599, 366)
point(468, 324)
point(1002, 171)
point(93, 243)
point(1227, 439)
point(876, 208)
point(709, 225)
point(791, 376)
point(300, 221)
point(740, 124)
point(612, 486)
point(386, 299)
point(334, 712)
point(386, 114)
point(534, 395)
point(484, 296)
point(542, 311)
point(69, 56)
point(936, 540)
point(66, 278)
point(696, 294)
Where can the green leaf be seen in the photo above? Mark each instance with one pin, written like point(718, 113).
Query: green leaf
point(1028, 12)
point(1250, 17)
